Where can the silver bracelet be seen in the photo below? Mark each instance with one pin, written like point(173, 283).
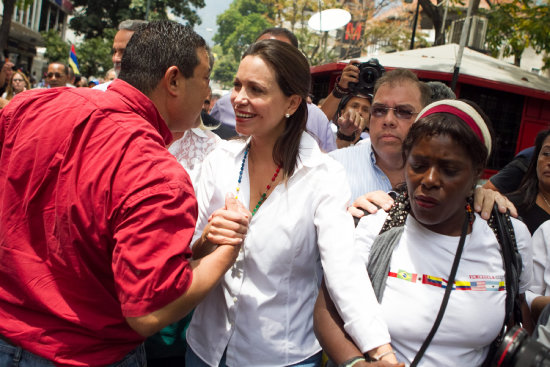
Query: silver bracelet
point(382, 355)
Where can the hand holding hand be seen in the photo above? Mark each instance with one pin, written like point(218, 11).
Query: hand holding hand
point(228, 225)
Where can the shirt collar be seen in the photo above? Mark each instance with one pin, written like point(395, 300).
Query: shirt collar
point(199, 132)
point(142, 105)
point(372, 155)
point(310, 154)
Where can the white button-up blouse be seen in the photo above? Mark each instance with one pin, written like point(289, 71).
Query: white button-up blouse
point(262, 310)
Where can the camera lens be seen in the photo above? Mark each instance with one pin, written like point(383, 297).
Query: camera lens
point(369, 72)
point(518, 350)
point(368, 76)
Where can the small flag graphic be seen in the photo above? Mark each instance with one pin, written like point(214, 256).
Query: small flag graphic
point(73, 62)
point(410, 277)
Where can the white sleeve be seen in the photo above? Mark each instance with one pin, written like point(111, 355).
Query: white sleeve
point(345, 275)
point(540, 285)
point(366, 232)
point(205, 193)
point(523, 239)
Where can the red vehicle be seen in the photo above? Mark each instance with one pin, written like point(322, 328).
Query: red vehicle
point(517, 101)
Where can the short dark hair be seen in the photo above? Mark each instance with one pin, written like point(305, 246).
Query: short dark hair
point(447, 124)
point(65, 66)
point(291, 69)
point(280, 31)
point(400, 75)
point(440, 91)
point(529, 187)
point(154, 48)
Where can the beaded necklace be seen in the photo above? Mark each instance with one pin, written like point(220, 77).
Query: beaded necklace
point(268, 187)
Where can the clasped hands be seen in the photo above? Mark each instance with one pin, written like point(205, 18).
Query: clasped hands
point(228, 225)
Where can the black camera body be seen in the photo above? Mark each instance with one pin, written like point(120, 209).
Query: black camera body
point(518, 350)
point(369, 72)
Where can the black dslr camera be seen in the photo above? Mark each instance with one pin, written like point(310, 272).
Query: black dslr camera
point(519, 350)
point(369, 72)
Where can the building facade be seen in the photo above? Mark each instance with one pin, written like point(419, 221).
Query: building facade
point(26, 25)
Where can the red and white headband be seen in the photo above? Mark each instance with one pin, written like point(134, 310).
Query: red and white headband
point(465, 112)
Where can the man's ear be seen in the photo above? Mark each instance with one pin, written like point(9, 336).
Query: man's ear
point(171, 80)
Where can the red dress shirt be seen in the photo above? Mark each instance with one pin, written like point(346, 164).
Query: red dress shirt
point(96, 217)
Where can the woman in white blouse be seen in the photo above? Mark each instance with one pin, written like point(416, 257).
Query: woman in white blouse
point(286, 209)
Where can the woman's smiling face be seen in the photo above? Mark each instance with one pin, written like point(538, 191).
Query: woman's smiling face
point(440, 176)
point(259, 103)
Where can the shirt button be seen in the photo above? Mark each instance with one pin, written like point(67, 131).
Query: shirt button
point(234, 299)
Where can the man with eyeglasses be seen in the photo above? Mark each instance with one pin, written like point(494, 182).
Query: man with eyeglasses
point(374, 169)
point(398, 97)
point(57, 75)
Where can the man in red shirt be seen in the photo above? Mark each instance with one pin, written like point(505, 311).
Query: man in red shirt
point(96, 215)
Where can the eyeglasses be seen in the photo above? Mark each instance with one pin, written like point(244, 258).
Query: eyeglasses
point(51, 75)
point(18, 80)
point(401, 112)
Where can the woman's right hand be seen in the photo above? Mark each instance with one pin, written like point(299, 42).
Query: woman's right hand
point(228, 225)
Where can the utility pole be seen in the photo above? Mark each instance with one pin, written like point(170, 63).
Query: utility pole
point(463, 37)
point(415, 21)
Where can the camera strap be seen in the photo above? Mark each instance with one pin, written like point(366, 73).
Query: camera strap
point(448, 289)
point(501, 225)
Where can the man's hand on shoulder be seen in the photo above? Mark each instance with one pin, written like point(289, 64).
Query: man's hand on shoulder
point(370, 203)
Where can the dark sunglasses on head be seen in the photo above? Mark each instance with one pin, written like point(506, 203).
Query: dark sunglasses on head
point(401, 112)
point(51, 75)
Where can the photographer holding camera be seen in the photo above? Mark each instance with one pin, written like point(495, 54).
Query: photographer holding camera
point(349, 103)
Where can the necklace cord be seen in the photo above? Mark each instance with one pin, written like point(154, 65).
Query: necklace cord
point(447, 294)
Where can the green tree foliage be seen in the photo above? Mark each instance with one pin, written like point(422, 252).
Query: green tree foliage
point(240, 25)
point(56, 48)
point(393, 36)
point(94, 54)
point(93, 17)
point(517, 25)
point(224, 68)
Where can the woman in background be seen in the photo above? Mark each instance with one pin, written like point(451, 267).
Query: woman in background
point(17, 84)
point(532, 198)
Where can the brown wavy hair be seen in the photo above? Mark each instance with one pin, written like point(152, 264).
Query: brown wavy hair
point(292, 74)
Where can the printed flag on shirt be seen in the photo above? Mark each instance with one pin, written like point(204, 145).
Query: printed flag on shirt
point(492, 285)
point(73, 62)
point(410, 277)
